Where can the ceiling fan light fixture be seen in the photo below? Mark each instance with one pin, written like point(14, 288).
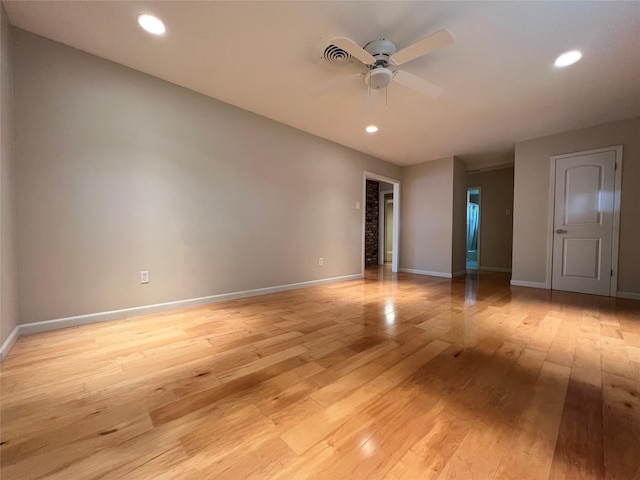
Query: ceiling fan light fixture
point(378, 78)
point(151, 24)
point(568, 58)
point(371, 129)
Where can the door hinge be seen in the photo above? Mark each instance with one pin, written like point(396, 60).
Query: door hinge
point(612, 273)
point(615, 166)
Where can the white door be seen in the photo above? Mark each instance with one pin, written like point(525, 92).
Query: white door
point(583, 222)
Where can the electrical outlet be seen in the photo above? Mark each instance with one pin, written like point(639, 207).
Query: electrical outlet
point(357, 205)
point(144, 276)
point(320, 262)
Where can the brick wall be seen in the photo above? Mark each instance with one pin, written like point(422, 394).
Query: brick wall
point(371, 224)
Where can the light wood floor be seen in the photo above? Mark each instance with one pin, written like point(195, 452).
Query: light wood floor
point(414, 377)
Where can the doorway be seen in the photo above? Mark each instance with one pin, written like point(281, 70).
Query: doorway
point(385, 239)
point(388, 227)
point(473, 228)
point(388, 233)
point(585, 221)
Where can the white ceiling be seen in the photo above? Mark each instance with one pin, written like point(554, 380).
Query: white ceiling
point(265, 57)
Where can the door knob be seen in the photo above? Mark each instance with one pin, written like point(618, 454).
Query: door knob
point(561, 231)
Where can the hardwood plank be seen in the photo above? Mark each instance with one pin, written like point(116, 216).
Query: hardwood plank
point(206, 398)
point(262, 363)
point(579, 451)
point(532, 444)
point(621, 426)
point(312, 430)
point(377, 436)
point(53, 457)
point(563, 347)
point(502, 392)
point(432, 453)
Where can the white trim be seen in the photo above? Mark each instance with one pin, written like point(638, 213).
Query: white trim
point(630, 295)
point(395, 254)
point(617, 194)
point(551, 202)
point(55, 324)
point(502, 166)
point(381, 226)
point(494, 269)
point(8, 343)
point(613, 286)
point(427, 272)
point(520, 283)
point(396, 215)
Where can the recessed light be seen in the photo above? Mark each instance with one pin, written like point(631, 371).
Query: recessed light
point(151, 24)
point(371, 129)
point(568, 58)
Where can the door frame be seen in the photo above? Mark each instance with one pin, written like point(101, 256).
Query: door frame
point(617, 189)
point(396, 216)
point(479, 188)
point(382, 251)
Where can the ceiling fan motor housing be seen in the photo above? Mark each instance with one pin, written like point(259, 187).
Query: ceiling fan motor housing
point(379, 76)
point(381, 50)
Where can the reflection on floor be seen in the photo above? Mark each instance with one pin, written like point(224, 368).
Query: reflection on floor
point(472, 260)
point(391, 376)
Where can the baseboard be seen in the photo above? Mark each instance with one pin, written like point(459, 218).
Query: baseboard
point(8, 343)
point(459, 274)
point(629, 295)
point(494, 269)
point(520, 283)
point(58, 323)
point(426, 272)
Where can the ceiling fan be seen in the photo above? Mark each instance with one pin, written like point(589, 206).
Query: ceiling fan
point(380, 55)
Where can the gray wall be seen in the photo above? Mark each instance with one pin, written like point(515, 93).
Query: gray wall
point(496, 227)
point(120, 172)
point(426, 205)
point(8, 274)
point(531, 199)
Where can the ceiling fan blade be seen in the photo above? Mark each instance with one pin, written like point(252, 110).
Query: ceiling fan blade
point(338, 84)
point(353, 49)
point(418, 84)
point(422, 47)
